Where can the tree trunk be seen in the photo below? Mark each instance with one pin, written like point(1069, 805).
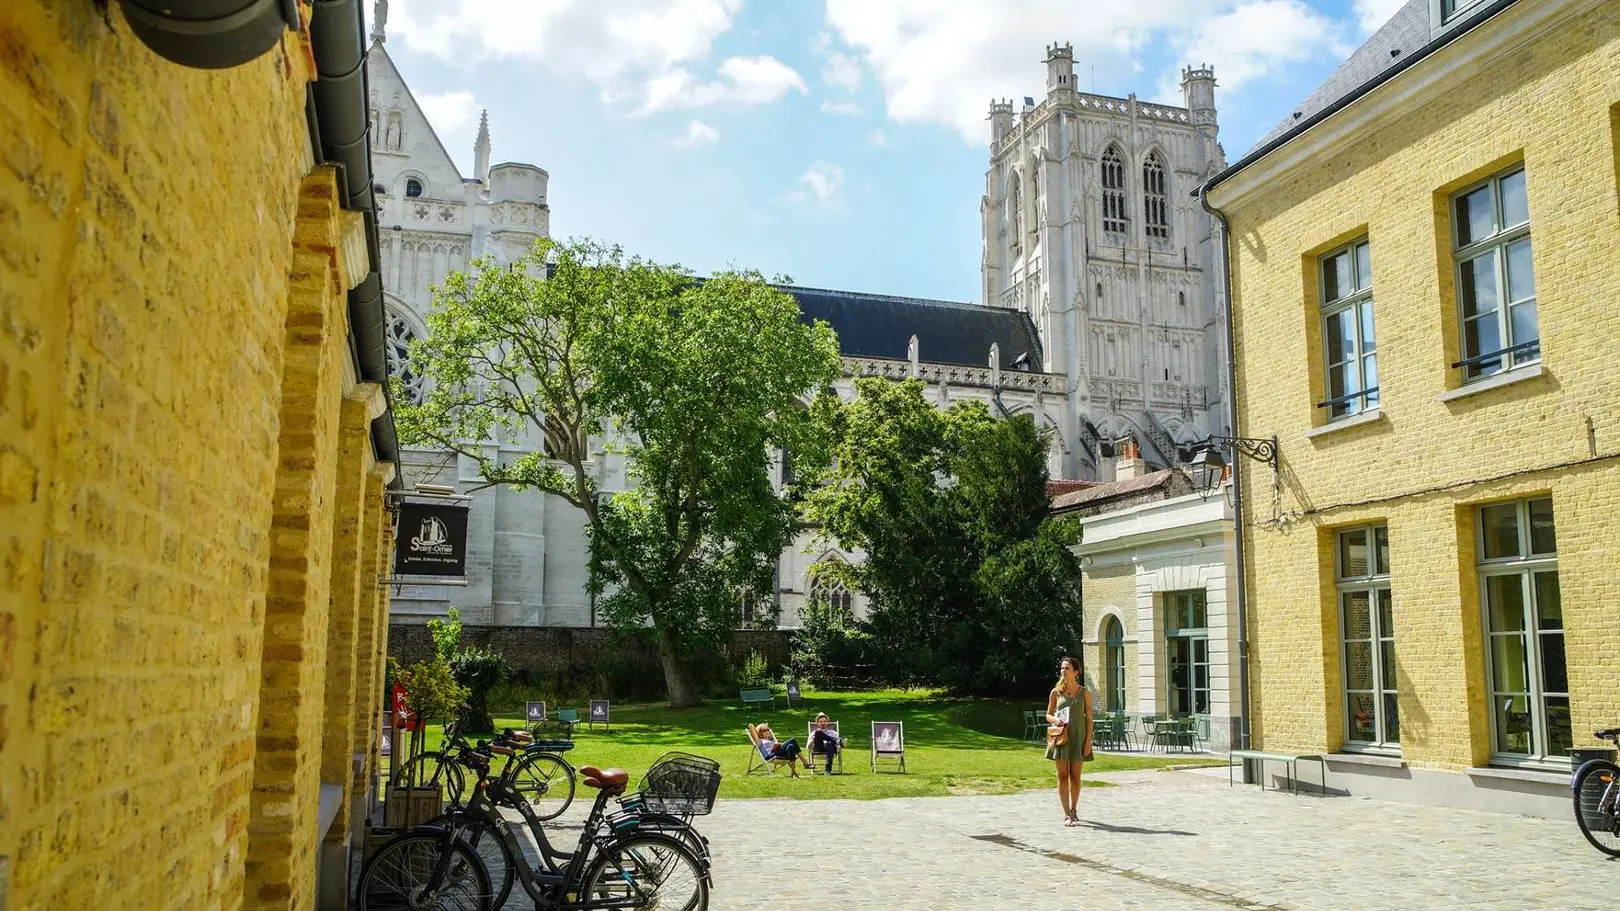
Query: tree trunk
point(683, 690)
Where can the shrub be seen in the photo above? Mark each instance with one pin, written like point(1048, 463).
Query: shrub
point(754, 671)
point(479, 670)
point(446, 634)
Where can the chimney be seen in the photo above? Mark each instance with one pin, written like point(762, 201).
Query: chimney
point(1130, 463)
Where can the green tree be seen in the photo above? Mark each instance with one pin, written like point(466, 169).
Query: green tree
point(695, 383)
point(972, 582)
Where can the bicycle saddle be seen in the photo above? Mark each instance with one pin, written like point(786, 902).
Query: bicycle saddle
point(612, 781)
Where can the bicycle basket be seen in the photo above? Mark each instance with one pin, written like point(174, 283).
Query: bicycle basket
point(681, 784)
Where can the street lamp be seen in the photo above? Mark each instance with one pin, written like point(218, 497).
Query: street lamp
point(1208, 466)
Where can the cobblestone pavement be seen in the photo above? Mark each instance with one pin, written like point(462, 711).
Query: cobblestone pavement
point(1162, 840)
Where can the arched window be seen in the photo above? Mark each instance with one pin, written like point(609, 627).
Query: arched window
point(1155, 212)
point(1113, 197)
point(1114, 663)
point(1015, 210)
point(400, 336)
point(413, 187)
point(833, 593)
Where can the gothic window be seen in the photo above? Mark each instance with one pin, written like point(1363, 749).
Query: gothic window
point(1035, 192)
point(400, 337)
point(413, 188)
point(833, 594)
point(1153, 197)
point(1015, 211)
point(1113, 196)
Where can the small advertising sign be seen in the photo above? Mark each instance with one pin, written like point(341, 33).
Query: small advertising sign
point(432, 540)
point(536, 712)
point(599, 711)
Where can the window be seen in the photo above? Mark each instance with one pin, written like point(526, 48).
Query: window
point(400, 337)
point(1155, 215)
point(1367, 639)
point(1524, 621)
point(413, 188)
point(1187, 651)
point(1114, 664)
point(1015, 211)
point(1113, 181)
point(1349, 344)
point(1496, 288)
point(1450, 8)
point(833, 594)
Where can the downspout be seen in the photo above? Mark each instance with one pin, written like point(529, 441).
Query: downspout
point(1237, 499)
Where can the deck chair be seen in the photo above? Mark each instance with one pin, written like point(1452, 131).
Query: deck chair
point(889, 742)
point(757, 761)
point(816, 764)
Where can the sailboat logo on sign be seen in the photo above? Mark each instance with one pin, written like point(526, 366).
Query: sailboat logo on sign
point(432, 538)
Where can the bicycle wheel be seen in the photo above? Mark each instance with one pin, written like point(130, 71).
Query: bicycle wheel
point(399, 878)
point(679, 829)
point(480, 836)
point(546, 781)
point(648, 870)
point(431, 770)
point(1597, 807)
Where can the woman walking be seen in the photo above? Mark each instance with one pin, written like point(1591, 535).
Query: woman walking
point(1069, 706)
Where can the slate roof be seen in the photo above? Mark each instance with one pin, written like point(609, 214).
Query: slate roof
point(880, 325)
point(1405, 32)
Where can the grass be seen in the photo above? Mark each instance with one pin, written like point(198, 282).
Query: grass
point(953, 746)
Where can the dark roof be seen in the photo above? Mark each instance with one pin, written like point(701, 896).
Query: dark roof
point(1114, 490)
point(1406, 31)
point(880, 325)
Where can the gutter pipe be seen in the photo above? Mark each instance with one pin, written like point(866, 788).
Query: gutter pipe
point(210, 34)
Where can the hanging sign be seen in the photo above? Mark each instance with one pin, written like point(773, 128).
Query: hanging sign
point(432, 540)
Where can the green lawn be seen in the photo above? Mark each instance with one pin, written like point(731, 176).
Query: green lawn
point(953, 746)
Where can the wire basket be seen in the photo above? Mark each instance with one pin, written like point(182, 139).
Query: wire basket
point(681, 784)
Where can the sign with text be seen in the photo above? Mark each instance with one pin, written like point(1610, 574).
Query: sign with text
point(432, 540)
point(536, 712)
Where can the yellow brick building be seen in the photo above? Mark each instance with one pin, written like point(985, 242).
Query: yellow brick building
point(1423, 279)
point(194, 444)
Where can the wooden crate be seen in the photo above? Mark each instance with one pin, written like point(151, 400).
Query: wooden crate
point(406, 807)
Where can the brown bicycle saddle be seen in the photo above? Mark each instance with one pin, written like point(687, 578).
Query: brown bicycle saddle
point(610, 780)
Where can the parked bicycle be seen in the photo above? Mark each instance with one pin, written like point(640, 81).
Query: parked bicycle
point(617, 863)
point(541, 775)
point(1597, 798)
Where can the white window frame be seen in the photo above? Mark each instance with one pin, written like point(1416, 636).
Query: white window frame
point(1375, 584)
point(834, 592)
point(1114, 648)
point(1525, 566)
point(1496, 243)
point(1366, 398)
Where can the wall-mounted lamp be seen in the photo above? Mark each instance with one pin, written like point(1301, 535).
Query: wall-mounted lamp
point(1208, 467)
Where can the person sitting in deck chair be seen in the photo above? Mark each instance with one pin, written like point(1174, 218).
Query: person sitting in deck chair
point(771, 748)
point(826, 740)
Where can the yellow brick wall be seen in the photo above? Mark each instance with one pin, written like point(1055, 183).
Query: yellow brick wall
point(1551, 104)
point(1103, 587)
point(147, 264)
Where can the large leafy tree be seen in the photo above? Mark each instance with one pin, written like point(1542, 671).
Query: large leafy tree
point(696, 383)
point(972, 581)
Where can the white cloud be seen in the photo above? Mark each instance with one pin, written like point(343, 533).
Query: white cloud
point(743, 81)
point(943, 62)
point(1257, 38)
point(877, 138)
point(1374, 13)
point(822, 181)
point(843, 71)
point(697, 133)
point(840, 107)
point(449, 112)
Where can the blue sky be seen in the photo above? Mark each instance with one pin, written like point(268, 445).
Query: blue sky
point(841, 142)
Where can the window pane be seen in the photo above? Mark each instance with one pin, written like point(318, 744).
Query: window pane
point(1369, 338)
point(1392, 719)
point(1512, 724)
point(1483, 336)
point(1357, 619)
point(1386, 625)
point(1364, 266)
point(1363, 724)
point(1554, 670)
point(1358, 665)
point(1505, 595)
point(1369, 375)
point(1340, 331)
point(1542, 539)
point(1386, 670)
point(1195, 611)
point(1523, 317)
point(1381, 551)
point(1337, 281)
point(1549, 607)
point(1515, 206)
point(1558, 727)
point(1353, 554)
point(1499, 527)
point(1510, 668)
point(1475, 218)
point(1477, 285)
point(1521, 277)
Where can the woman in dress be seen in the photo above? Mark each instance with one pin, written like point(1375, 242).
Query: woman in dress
point(1070, 705)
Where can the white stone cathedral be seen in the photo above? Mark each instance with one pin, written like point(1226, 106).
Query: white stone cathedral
point(1089, 226)
point(1085, 194)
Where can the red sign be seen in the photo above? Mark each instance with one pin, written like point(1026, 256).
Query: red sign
point(404, 718)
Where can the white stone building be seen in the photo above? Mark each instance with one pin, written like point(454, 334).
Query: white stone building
point(1089, 227)
point(526, 551)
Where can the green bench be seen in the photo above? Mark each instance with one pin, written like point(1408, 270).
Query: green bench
point(760, 696)
point(1292, 760)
